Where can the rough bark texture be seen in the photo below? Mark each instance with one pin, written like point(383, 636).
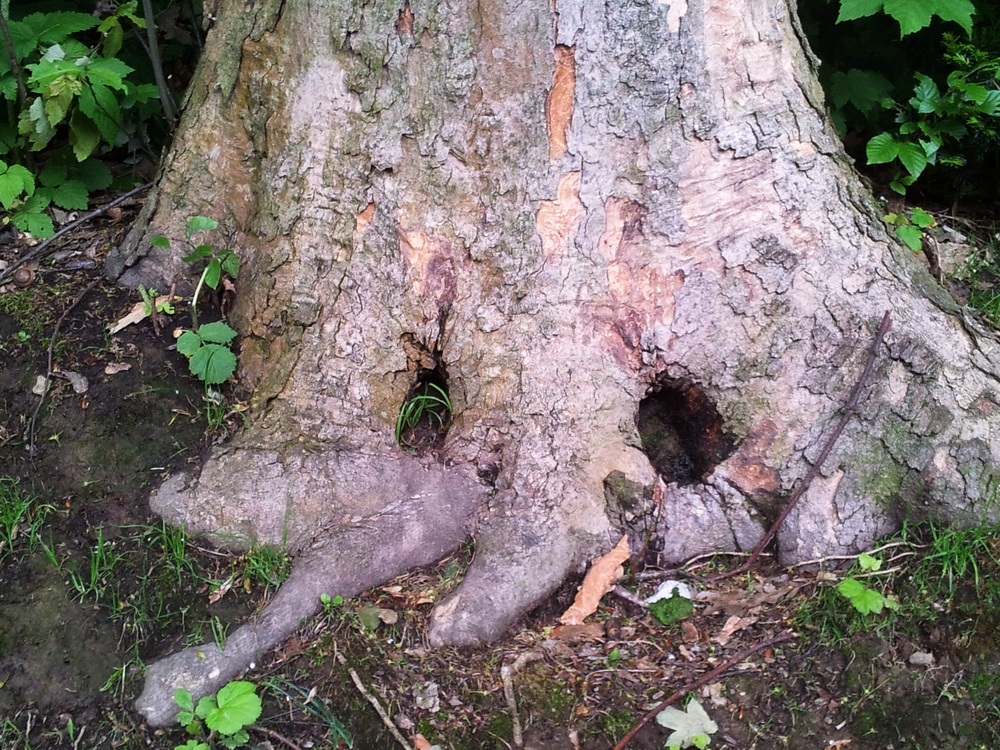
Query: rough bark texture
point(564, 206)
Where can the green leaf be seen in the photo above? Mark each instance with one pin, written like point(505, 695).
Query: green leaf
point(867, 562)
point(882, 149)
point(368, 616)
point(84, 135)
point(231, 264)
point(202, 251)
point(193, 744)
point(923, 220)
point(188, 343)
point(100, 105)
point(238, 706)
point(913, 15)
point(52, 28)
point(213, 273)
point(93, 173)
point(690, 725)
point(183, 699)
point(926, 96)
point(114, 35)
point(110, 72)
point(200, 224)
point(34, 222)
point(850, 587)
point(71, 195)
point(159, 241)
point(213, 363)
point(861, 88)
point(912, 236)
point(216, 333)
point(236, 740)
point(15, 182)
point(868, 601)
point(854, 9)
point(913, 156)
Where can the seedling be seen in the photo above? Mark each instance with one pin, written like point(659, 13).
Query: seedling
point(227, 714)
point(430, 405)
point(207, 349)
point(910, 228)
point(864, 599)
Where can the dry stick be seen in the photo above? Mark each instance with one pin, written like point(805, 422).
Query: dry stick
point(506, 673)
point(8, 272)
point(274, 736)
point(375, 704)
point(852, 403)
point(701, 681)
point(48, 372)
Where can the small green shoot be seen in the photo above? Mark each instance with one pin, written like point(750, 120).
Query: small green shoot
point(910, 228)
point(866, 600)
point(226, 714)
point(150, 305)
point(430, 405)
point(692, 726)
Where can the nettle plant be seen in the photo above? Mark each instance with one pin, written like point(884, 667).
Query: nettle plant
point(207, 346)
point(68, 99)
point(225, 715)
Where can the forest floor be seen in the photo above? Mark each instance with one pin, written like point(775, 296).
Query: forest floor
point(93, 586)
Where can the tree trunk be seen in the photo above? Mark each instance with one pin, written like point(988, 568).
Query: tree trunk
point(557, 212)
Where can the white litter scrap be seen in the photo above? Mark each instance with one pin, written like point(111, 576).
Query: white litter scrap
point(666, 591)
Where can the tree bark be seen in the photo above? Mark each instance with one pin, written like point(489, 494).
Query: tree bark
point(559, 209)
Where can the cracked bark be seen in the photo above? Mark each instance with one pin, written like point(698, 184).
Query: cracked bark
point(601, 199)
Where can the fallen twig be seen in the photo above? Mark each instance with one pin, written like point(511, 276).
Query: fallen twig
point(275, 736)
point(506, 673)
point(37, 250)
point(375, 704)
point(701, 682)
point(48, 371)
point(814, 469)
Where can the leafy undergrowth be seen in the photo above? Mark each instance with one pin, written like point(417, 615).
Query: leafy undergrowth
point(92, 586)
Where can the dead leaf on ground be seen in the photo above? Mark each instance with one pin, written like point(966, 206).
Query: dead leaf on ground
point(113, 368)
point(420, 743)
point(733, 624)
point(599, 580)
point(139, 313)
point(591, 631)
point(741, 603)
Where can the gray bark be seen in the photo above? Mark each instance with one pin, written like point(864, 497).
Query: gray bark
point(589, 201)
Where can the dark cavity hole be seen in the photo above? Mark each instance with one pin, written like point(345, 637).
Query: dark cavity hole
point(425, 416)
point(682, 432)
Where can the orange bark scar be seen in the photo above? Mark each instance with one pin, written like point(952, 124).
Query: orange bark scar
point(429, 266)
point(559, 106)
point(557, 220)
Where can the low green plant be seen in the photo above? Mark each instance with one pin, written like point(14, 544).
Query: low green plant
point(909, 226)
point(429, 405)
point(208, 346)
point(330, 603)
point(150, 304)
point(21, 519)
point(866, 600)
point(98, 579)
point(226, 716)
point(306, 701)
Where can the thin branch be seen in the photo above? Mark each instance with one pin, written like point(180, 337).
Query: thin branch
point(506, 674)
point(702, 681)
point(375, 704)
point(274, 736)
point(22, 90)
point(48, 372)
point(39, 249)
point(814, 469)
point(166, 98)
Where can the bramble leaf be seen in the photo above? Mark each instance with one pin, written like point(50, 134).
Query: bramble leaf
point(237, 706)
point(216, 333)
point(213, 363)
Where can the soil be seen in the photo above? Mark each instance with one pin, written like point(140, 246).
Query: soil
point(107, 587)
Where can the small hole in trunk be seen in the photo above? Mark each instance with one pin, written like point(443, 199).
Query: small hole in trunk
point(682, 432)
point(425, 416)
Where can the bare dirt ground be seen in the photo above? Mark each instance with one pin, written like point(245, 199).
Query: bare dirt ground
point(106, 587)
